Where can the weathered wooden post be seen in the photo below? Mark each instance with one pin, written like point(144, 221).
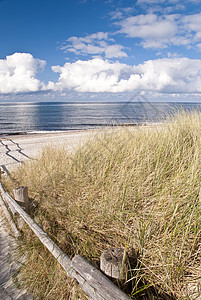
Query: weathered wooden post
point(114, 263)
point(21, 197)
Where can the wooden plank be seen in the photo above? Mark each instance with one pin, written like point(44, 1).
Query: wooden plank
point(56, 251)
point(9, 218)
point(5, 195)
point(95, 284)
point(14, 212)
point(85, 286)
point(101, 284)
point(19, 220)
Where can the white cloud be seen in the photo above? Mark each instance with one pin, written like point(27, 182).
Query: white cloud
point(155, 31)
point(151, 1)
point(166, 6)
point(120, 13)
point(166, 75)
point(114, 51)
point(18, 73)
point(173, 54)
point(192, 24)
point(94, 44)
point(165, 10)
point(96, 75)
point(169, 75)
point(173, 2)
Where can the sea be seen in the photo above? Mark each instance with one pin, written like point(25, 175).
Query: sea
point(38, 117)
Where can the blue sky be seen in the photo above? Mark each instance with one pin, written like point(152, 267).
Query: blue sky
point(69, 50)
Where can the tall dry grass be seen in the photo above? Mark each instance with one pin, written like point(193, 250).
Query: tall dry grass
point(134, 188)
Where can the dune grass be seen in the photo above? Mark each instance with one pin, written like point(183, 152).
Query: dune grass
point(136, 188)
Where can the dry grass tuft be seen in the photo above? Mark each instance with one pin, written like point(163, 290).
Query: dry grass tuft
point(135, 188)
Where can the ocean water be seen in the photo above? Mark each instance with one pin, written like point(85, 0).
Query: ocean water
point(18, 118)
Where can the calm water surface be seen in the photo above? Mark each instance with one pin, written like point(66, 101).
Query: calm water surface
point(59, 116)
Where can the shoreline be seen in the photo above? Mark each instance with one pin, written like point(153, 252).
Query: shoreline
point(74, 131)
point(37, 133)
point(43, 133)
point(15, 149)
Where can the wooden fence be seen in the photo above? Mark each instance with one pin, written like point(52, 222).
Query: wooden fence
point(92, 281)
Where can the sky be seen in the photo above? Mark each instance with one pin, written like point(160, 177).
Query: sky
point(100, 50)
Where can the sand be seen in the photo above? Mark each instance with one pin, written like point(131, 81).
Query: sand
point(16, 149)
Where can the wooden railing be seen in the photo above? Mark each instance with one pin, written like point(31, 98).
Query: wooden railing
point(92, 281)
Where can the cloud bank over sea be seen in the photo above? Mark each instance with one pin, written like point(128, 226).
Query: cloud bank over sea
point(150, 47)
point(18, 74)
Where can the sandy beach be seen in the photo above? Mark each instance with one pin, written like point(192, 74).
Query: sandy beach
point(16, 149)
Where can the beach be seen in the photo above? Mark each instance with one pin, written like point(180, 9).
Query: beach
point(16, 149)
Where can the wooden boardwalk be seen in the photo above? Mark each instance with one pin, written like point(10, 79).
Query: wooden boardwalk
point(9, 266)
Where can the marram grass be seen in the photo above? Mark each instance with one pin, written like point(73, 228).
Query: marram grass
point(136, 188)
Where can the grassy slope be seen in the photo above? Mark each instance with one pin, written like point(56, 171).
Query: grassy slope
point(134, 188)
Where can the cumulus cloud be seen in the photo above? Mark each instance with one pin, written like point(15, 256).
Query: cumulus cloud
point(169, 75)
point(166, 6)
point(96, 75)
point(120, 13)
point(18, 73)
point(162, 31)
point(152, 1)
point(173, 2)
point(94, 44)
point(155, 31)
point(192, 24)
